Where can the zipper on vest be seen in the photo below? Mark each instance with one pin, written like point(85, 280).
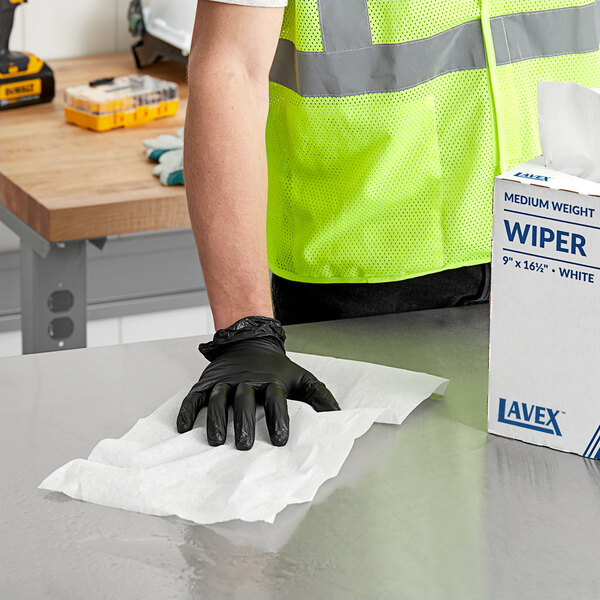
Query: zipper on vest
point(490, 59)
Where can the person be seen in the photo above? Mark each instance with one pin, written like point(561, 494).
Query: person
point(384, 124)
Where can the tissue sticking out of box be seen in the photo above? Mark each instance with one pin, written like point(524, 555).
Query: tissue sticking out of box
point(569, 122)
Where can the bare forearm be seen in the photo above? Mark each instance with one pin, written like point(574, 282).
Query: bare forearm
point(225, 166)
point(226, 182)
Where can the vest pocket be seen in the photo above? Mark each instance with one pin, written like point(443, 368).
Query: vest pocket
point(356, 187)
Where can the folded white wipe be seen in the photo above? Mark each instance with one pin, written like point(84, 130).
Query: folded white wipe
point(569, 123)
point(153, 469)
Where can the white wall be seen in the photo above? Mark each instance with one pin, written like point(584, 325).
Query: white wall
point(65, 28)
point(54, 29)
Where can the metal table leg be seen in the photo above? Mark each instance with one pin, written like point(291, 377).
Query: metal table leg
point(53, 297)
point(53, 289)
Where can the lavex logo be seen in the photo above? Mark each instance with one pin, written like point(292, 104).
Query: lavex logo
point(532, 176)
point(529, 416)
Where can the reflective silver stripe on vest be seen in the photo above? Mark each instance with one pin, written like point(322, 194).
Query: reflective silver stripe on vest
point(394, 67)
point(379, 68)
point(344, 24)
point(545, 33)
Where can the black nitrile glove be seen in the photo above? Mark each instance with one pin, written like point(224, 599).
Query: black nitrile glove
point(248, 365)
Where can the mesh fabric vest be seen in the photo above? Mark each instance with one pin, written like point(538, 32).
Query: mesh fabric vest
point(389, 119)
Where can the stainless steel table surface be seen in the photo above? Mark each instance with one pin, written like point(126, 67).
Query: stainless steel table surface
point(436, 508)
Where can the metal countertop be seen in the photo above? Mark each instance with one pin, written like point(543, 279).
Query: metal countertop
point(436, 508)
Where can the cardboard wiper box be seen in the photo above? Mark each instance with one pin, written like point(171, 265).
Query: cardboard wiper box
point(544, 381)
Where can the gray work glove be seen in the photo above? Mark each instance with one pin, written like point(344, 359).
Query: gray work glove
point(248, 365)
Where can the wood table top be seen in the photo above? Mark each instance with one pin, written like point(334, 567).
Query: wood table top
point(71, 183)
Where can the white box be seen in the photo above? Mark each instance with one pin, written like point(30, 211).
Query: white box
point(545, 310)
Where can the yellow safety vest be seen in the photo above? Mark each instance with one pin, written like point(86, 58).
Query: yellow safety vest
point(390, 118)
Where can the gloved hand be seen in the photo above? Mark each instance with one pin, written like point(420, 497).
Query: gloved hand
point(167, 150)
point(248, 365)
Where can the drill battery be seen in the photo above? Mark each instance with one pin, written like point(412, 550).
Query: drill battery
point(24, 79)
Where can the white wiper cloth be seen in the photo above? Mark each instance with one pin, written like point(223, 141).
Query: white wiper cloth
point(153, 469)
point(569, 124)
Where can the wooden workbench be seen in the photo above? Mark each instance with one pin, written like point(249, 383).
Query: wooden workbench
point(69, 183)
point(61, 185)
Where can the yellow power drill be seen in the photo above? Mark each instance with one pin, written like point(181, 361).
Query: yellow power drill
point(24, 78)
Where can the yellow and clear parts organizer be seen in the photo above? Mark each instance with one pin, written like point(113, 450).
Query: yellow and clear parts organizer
point(120, 102)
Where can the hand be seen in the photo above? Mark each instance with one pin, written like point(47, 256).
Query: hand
point(249, 366)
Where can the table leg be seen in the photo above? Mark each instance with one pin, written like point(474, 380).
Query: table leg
point(53, 297)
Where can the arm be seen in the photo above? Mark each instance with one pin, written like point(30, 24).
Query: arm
point(225, 162)
point(225, 170)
